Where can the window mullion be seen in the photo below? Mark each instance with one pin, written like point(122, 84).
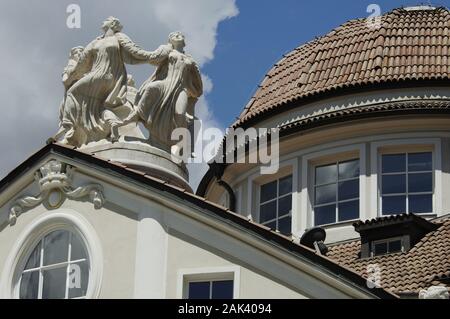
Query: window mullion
point(407, 183)
point(69, 251)
point(41, 275)
point(277, 208)
point(210, 289)
point(336, 208)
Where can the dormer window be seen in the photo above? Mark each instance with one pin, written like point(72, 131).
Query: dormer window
point(387, 246)
point(391, 234)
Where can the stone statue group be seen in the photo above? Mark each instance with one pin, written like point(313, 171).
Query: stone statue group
point(100, 97)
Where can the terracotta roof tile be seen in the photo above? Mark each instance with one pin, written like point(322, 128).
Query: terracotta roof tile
point(410, 45)
point(422, 266)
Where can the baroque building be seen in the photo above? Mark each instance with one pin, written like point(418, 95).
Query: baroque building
point(357, 209)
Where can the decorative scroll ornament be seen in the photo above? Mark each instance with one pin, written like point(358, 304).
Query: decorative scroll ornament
point(55, 184)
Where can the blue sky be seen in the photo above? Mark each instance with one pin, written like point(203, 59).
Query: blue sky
point(250, 43)
point(234, 41)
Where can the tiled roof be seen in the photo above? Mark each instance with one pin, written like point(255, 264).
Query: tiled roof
point(410, 45)
point(426, 264)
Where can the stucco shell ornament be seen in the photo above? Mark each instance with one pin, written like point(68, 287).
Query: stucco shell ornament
point(55, 183)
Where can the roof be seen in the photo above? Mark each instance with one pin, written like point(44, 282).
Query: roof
point(218, 212)
point(394, 220)
point(410, 48)
point(424, 265)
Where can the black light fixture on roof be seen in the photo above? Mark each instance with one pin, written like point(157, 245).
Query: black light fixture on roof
point(314, 238)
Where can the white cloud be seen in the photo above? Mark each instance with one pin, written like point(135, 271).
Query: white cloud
point(35, 47)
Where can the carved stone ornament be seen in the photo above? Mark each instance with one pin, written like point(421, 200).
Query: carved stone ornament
point(434, 292)
point(55, 183)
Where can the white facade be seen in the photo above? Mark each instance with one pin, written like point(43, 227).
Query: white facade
point(145, 243)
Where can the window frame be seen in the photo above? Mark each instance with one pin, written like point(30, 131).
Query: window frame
point(387, 241)
point(407, 173)
point(210, 282)
point(337, 201)
point(404, 145)
point(185, 276)
point(254, 181)
point(310, 161)
point(60, 219)
point(276, 199)
point(63, 264)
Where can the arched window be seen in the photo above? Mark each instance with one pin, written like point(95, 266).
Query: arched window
point(57, 268)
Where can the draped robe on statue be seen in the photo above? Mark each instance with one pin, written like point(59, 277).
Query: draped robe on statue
point(157, 98)
point(101, 86)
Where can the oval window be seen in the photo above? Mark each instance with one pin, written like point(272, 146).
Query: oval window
point(57, 268)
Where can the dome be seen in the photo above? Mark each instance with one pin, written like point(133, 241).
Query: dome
point(409, 48)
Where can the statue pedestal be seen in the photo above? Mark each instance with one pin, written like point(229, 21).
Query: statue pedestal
point(142, 157)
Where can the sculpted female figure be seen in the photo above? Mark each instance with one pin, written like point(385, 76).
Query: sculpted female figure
point(100, 86)
point(166, 100)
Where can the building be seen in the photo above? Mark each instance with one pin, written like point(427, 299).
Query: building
point(363, 117)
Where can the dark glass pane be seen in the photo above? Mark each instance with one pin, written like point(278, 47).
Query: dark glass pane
point(395, 246)
point(420, 203)
point(268, 211)
point(77, 249)
point(349, 169)
point(222, 289)
point(284, 205)
point(420, 162)
point(394, 184)
point(284, 225)
point(380, 249)
point(325, 194)
point(56, 247)
point(268, 191)
point(348, 210)
point(199, 290)
point(29, 285)
point(78, 279)
point(394, 163)
point(393, 205)
point(54, 286)
point(325, 215)
point(285, 185)
point(35, 258)
point(326, 174)
point(348, 189)
point(420, 182)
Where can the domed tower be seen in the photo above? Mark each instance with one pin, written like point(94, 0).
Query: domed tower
point(364, 129)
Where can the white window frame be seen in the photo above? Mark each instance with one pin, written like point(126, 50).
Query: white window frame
point(400, 146)
point(407, 193)
point(254, 182)
point(330, 156)
point(387, 241)
point(337, 201)
point(275, 199)
point(41, 268)
point(185, 276)
point(60, 219)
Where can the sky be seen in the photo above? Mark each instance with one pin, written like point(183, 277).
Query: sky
point(235, 43)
